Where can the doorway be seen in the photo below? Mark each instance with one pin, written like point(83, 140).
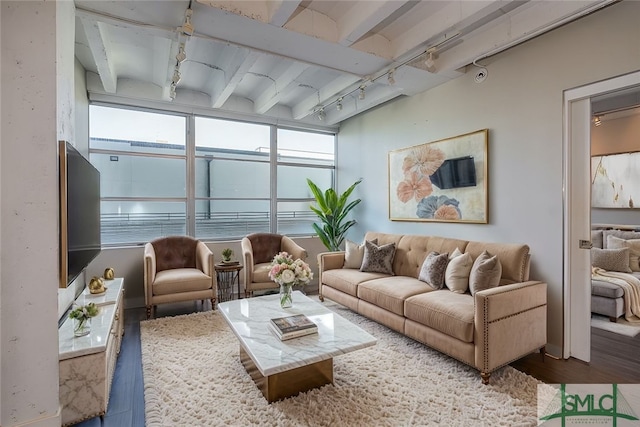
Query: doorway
point(577, 211)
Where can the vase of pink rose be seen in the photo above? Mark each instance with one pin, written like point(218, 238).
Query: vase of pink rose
point(288, 272)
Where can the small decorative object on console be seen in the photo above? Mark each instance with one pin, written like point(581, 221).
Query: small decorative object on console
point(81, 316)
point(286, 272)
point(109, 273)
point(96, 285)
point(293, 326)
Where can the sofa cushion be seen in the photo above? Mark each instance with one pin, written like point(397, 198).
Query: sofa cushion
point(456, 276)
point(614, 242)
point(378, 259)
point(261, 272)
point(621, 234)
point(180, 280)
point(347, 280)
point(390, 292)
point(611, 259)
point(485, 273)
point(433, 269)
point(354, 254)
point(596, 239)
point(413, 249)
point(444, 311)
point(606, 289)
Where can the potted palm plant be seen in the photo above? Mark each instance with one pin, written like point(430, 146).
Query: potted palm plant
point(332, 211)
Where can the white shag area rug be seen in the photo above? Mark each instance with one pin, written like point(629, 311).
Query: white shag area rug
point(621, 327)
point(193, 377)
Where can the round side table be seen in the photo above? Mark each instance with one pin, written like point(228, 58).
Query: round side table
point(227, 274)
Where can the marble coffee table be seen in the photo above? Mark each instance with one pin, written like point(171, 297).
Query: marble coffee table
point(282, 369)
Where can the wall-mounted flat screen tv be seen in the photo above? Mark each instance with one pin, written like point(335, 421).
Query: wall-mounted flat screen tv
point(455, 173)
point(79, 213)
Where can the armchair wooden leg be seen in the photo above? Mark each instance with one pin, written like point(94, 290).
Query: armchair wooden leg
point(213, 304)
point(149, 310)
point(485, 377)
point(321, 298)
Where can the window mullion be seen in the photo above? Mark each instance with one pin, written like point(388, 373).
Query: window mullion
point(191, 168)
point(273, 166)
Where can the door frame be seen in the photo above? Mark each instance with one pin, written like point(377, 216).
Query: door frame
point(576, 150)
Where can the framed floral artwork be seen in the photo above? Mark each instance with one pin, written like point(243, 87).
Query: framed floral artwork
point(443, 180)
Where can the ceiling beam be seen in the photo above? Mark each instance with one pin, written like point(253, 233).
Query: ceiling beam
point(238, 66)
point(281, 10)
point(274, 92)
point(322, 95)
point(101, 51)
point(363, 17)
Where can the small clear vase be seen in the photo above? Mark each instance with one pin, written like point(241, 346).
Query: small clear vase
point(81, 327)
point(285, 295)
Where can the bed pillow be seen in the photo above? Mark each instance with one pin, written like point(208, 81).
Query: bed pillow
point(378, 259)
point(486, 272)
point(611, 259)
point(354, 254)
point(433, 268)
point(634, 250)
point(596, 239)
point(620, 234)
point(456, 276)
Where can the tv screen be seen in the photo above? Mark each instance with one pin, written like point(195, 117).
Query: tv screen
point(455, 173)
point(79, 213)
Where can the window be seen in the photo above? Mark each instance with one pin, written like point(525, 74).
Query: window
point(238, 177)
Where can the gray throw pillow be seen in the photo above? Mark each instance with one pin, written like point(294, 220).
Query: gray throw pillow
point(485, 273)
point(614, 242)
point(433, 269)
point(596, 239)
point(378, 259)
point(611, 259)
point(621, 234)
point(354, 254)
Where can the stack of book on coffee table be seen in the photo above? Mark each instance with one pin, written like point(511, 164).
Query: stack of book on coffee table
point(293, 326)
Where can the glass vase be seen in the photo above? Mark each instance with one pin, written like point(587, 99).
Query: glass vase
point(81, 327)
point(285, 295)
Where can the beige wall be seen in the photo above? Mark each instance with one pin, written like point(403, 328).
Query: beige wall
point(520, 103)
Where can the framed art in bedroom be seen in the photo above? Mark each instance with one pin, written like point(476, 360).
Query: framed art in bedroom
point(441, 181)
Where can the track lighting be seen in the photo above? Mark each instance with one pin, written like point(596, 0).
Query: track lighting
point(321, 114)
point(187, 27)
point(176, 76)
point(339, 106)
point(430, 62)
point(362, 95)
point(172, 91)
point(390, 76)
point(181, 56)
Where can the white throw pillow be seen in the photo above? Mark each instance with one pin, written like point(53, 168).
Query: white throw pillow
point(614, 242)
point(456, 276)
point(485, 273)
point(354, 254)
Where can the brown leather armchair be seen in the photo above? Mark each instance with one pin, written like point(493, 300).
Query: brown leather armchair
point(178, 268)
point(258, 250)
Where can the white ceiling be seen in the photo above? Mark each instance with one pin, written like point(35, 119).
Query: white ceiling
point(286, 59)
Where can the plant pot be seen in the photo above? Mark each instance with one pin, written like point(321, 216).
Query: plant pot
point(285, 295)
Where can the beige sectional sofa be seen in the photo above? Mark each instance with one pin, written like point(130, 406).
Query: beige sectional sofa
point(487, 331)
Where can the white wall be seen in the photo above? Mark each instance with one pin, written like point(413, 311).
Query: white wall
point(37, 86)
point(521, 105)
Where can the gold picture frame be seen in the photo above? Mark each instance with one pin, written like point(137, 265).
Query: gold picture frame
point(441, 181)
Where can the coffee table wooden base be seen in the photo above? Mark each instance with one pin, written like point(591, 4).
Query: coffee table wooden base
point(289, 383)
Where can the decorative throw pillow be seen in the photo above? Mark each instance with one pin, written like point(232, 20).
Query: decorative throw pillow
point(614, 242)
point(378, 259)
point(456, 276)
point(596, 239)
point(433, 268)
point(486, 272)
point(354, 254)
point(611, 259)
point(620, 234)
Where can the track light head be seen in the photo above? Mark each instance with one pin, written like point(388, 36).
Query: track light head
point(339, 106)
point(430, 61)
point(172, 91)
point(390, 76)
point(321, 114)
point(181, 56)
point(176, 77)
point(597, 121)
point(187, 27)
point(362, 94)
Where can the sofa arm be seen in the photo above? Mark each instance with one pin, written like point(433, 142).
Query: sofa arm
point(328, 261)
point(510, 322)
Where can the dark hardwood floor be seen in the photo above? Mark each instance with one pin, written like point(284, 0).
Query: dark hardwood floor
point(615, 359)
